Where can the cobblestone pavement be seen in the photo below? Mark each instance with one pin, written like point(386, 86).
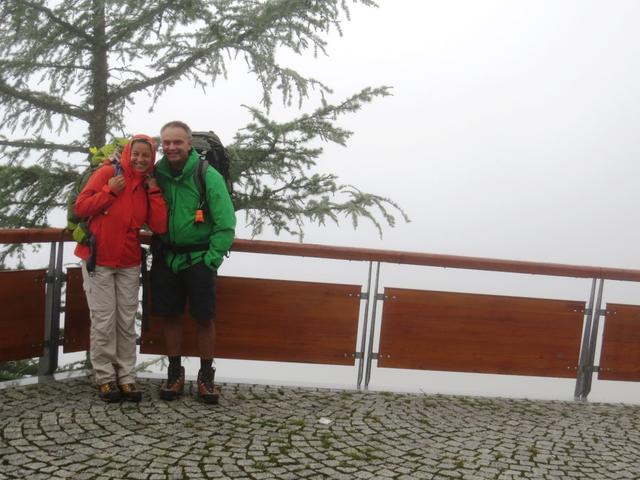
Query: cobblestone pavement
point(61, 430)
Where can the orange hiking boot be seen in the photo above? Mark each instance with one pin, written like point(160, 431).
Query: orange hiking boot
point(207, 391)
point(109, 392)
point(174, 386)
point(131, 392)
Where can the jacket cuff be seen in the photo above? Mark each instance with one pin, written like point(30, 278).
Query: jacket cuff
point(106, 189)
point(209, 262)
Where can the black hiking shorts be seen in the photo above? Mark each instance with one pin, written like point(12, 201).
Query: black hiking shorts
point(171, 292)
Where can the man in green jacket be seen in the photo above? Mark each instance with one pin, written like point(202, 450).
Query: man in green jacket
point(187, 258)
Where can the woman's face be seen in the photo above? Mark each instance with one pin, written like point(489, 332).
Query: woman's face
point(141, 156)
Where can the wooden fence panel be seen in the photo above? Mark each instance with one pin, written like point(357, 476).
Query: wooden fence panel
point(77, 323)
point(276, 320)
point(22, 317)
point(620, 355)
point(462, 332)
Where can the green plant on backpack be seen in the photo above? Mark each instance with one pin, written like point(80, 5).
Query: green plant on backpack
point(109, 154)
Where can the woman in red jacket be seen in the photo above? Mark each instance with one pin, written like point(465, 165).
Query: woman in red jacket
point(118, 205)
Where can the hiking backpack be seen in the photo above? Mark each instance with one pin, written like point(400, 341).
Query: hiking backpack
point(211, 152)
point(107, 155)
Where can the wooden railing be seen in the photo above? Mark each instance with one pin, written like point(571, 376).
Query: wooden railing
point(9, 236)
point(311, 322)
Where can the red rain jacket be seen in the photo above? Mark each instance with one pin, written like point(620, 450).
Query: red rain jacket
point(115, 220)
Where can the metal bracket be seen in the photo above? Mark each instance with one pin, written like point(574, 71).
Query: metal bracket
point(358, 355)
point(379, 296)
point(374, 356)
point(364, 296)
point(587, 369)
point(600, 312)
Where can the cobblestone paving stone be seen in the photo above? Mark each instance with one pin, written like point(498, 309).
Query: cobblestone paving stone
point(61, 430)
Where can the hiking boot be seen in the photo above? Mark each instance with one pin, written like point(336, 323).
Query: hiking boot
point(174, 386)
point(109, 392)
point(207, 391)
point(131, 392)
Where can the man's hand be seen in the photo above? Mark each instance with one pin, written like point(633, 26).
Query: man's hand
point(116, 184)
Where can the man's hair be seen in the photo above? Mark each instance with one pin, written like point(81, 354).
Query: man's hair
point(177, 124)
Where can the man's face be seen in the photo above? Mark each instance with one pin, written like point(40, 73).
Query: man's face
point(175, 145)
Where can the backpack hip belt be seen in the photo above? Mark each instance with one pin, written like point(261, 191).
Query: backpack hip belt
point(197, 247)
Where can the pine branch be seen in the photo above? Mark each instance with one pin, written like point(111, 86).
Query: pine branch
point(40, 144)
point(124, 31)
point(27, 194)
point(44, 65)
point(54, 18)
point(171, 73)
point(44, 101)
point(257, 40)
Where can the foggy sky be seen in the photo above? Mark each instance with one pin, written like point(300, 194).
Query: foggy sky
point(510, 132)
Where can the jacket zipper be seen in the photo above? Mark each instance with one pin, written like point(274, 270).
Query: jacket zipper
point(173, 216)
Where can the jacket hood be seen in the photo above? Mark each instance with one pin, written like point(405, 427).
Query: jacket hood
point(125, 157)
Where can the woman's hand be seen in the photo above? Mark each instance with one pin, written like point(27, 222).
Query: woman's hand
point(151, 183)
point(116, 184)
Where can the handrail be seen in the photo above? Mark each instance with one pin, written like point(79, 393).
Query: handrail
point(34, 235)
point(8, 236)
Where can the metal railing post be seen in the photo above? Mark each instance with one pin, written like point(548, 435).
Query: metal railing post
point(45, 359)
point(49, 361)
point(589, 371)
point(372, 328)
point(584, 347)
point(363, 340)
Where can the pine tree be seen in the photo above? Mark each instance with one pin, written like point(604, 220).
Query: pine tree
point(65, 62)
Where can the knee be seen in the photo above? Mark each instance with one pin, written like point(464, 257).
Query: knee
point(204, 323)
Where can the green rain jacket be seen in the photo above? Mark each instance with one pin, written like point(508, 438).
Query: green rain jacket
point(182, 198)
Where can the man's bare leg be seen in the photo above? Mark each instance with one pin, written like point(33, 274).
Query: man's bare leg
point(172, 327)
point(206, 347)
point(206, 339)
point(174, 386)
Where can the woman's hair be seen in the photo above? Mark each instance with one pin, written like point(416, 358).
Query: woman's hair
point(142, 140)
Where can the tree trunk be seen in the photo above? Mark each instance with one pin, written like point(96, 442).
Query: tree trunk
point(100, 74)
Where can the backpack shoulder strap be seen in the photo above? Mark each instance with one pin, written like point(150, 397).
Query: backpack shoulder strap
point(201, 184)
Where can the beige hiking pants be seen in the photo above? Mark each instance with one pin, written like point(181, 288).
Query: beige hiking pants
point(112, 296)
